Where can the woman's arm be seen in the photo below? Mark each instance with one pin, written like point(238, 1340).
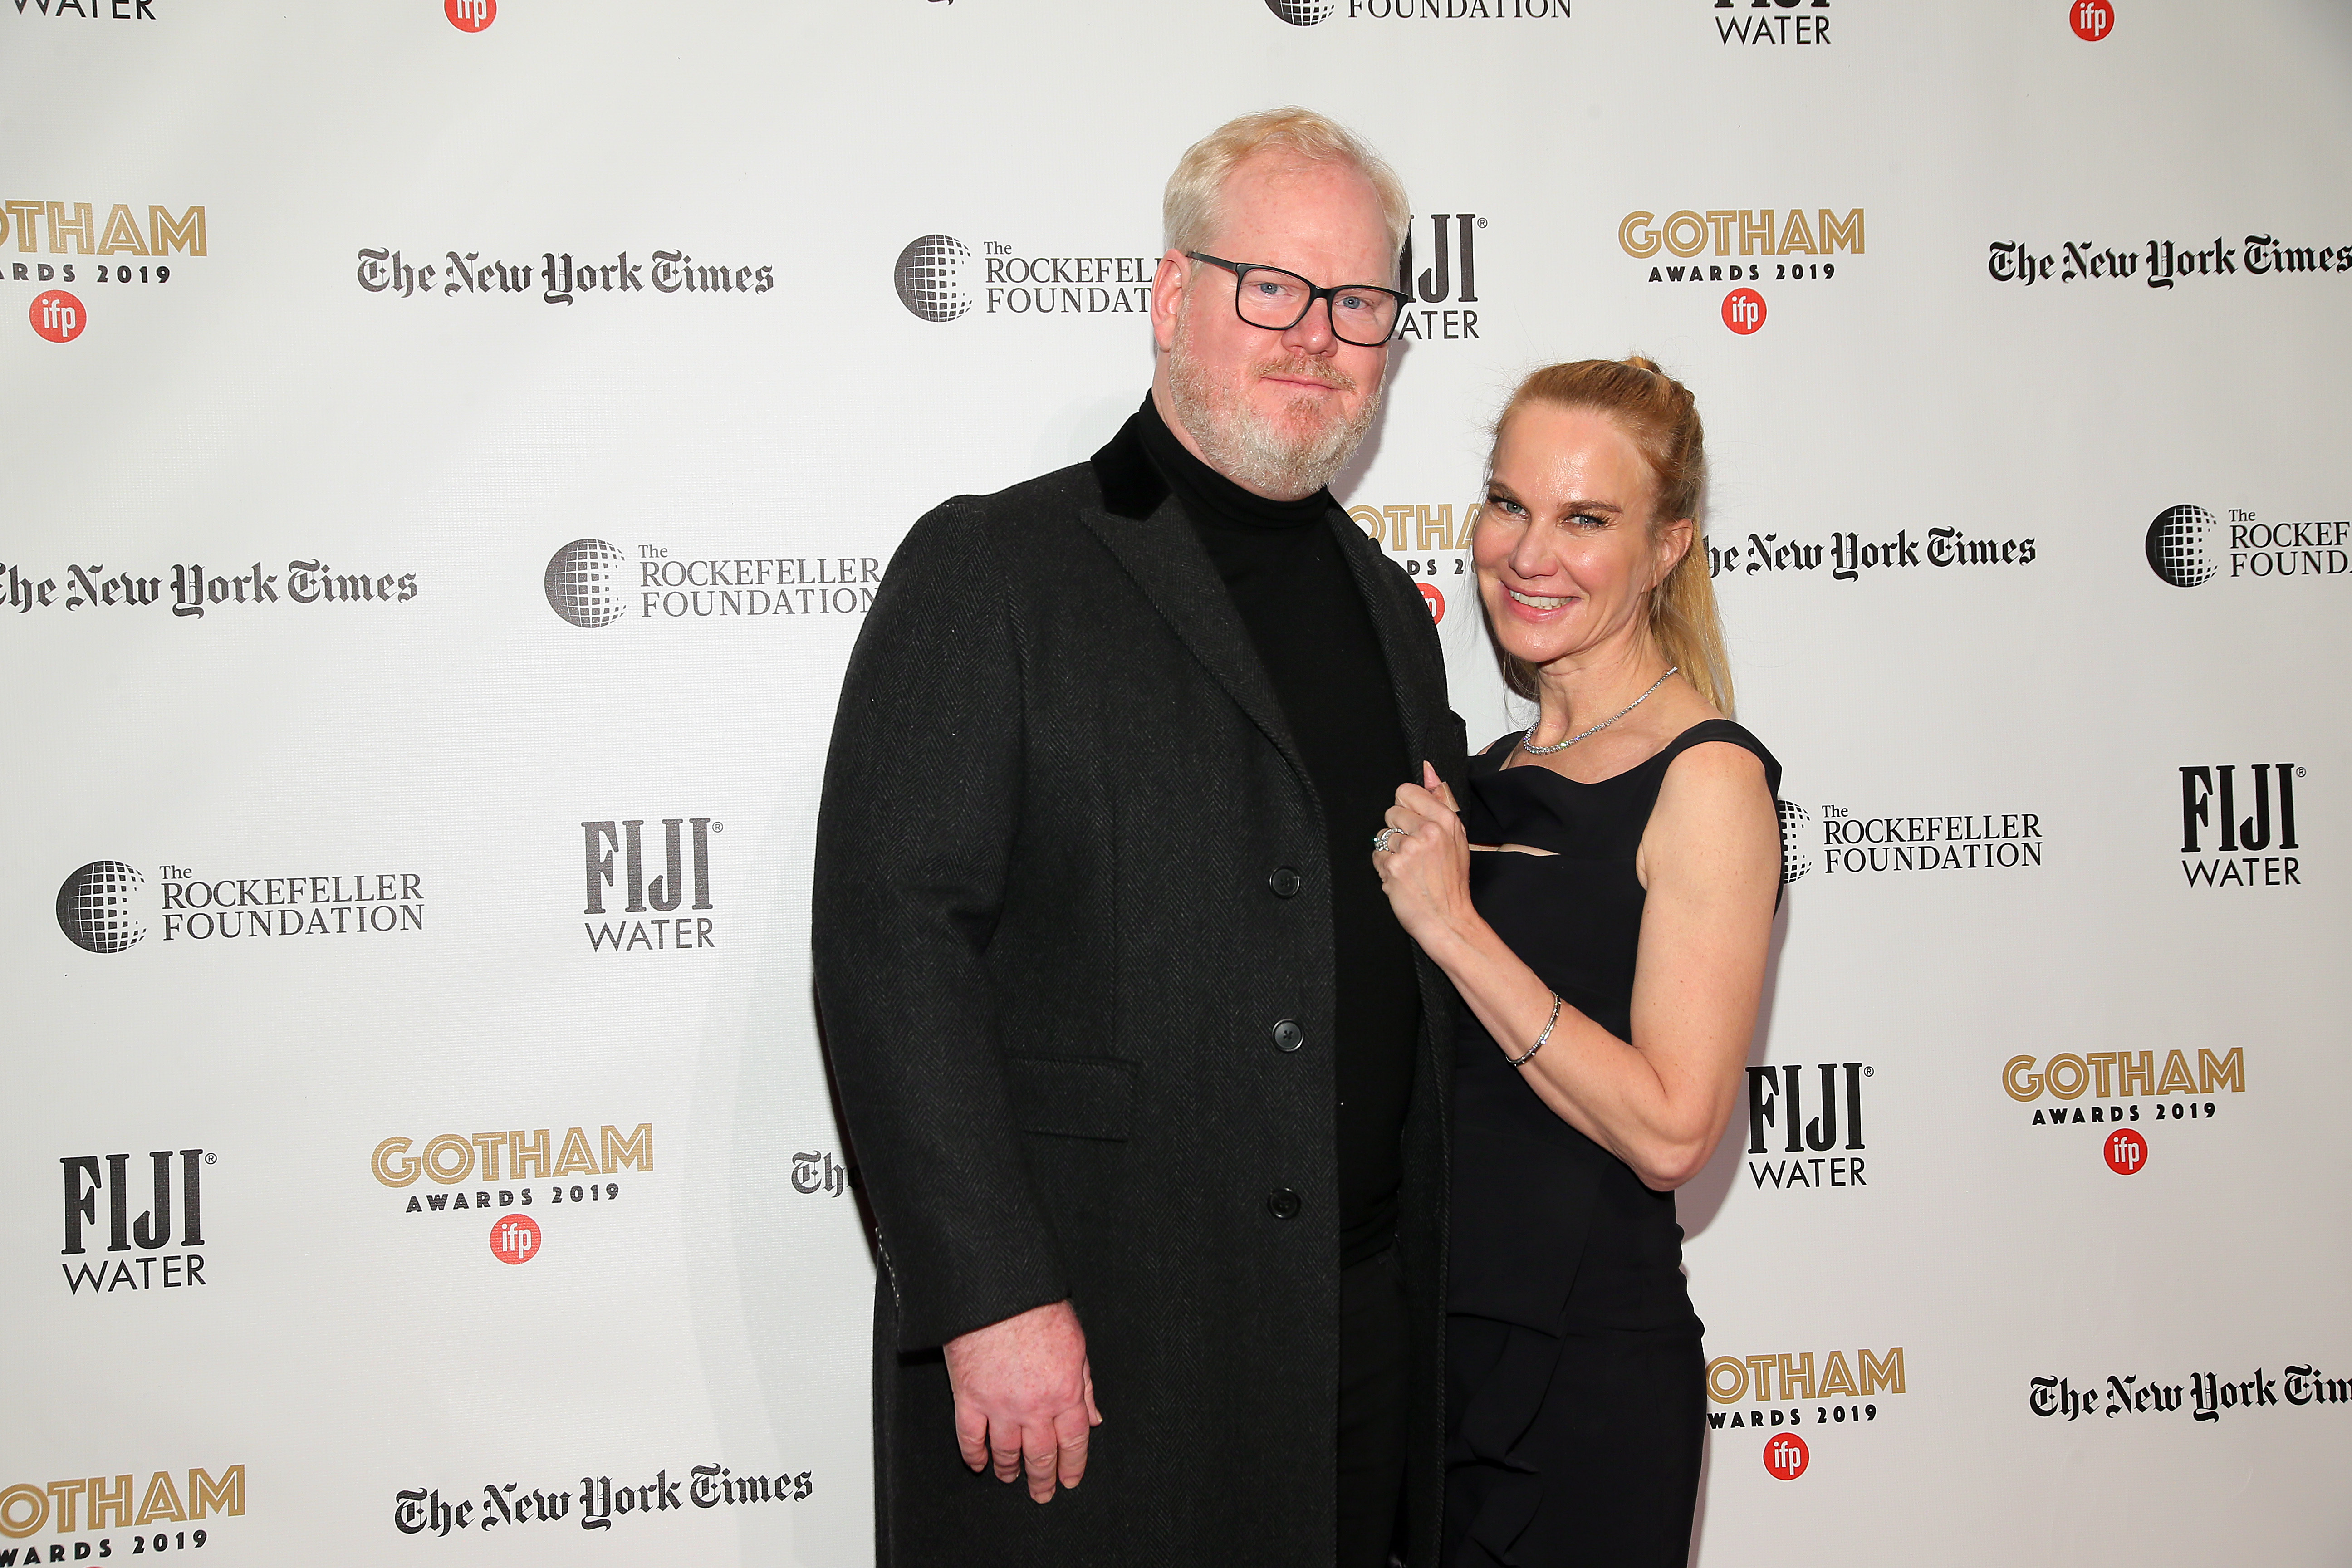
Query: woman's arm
point(1710, 860)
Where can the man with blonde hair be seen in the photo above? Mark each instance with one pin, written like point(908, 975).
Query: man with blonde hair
point(1147, 1085)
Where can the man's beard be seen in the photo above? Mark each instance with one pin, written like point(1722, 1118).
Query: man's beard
point(1240, 443)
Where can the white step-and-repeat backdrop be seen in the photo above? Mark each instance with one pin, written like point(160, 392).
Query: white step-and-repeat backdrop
point(451, 449)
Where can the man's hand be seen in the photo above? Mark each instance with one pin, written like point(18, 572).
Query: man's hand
point(1025, 1398)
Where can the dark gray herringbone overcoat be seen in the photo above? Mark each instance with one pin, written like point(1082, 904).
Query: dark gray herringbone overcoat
point(1050, 955)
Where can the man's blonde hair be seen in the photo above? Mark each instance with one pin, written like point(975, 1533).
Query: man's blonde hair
point(1192, 210)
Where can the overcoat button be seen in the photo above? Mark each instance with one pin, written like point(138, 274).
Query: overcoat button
point(1284, 882)
point(1282, 1203)
point(1289, 1036)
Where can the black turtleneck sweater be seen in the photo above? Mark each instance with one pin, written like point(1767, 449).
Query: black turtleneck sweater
point(1314, 636)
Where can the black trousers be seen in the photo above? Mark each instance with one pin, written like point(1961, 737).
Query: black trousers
point(1375, 1355)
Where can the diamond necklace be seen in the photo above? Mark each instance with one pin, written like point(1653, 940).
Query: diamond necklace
point(1526, 742)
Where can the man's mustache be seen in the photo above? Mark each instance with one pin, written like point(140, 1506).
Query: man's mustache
point(1310, 369)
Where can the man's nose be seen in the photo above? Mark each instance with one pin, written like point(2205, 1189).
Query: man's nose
point(1312, 334)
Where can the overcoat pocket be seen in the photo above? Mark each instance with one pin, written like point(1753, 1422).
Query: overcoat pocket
point(1065, 1097)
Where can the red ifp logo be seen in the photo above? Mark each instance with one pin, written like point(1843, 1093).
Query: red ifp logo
point(515, 1238)
point(1743, 312)
point(2127, 1152)
point(58, 316)
point(470, 16)
point(1785, 1456)
point(1437, 601)
point(2093, 19)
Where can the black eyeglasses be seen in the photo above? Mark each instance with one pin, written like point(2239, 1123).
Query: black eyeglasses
point(1363, 314)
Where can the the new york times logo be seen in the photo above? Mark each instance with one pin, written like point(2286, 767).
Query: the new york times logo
point(2186, 547)
point(599, 1503)
point(2208, 1396)
point(2211, 797)
point(89, 585)
point(2081, 260)
point(940, 279)
point(1849, 556)
point(1310, 13)
point(1777, 1098)
point(592, 582)
point(615, 858)
point(556, 278)
point(144, 1263)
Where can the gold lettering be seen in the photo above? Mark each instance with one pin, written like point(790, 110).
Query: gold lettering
point(635, 1151)
point(226, 1496)
point(2176, 1079)
point(2230, 1070)
point(122, 235)
point(162, 1499)
point(532, 1154)
point(1877, 1375)
point(106, 1501)
point(577, 1157)
point(165, 233)
point(1836, 236)
point(441, 1170)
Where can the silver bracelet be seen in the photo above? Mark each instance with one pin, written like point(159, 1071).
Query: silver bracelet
point(1522, 1062)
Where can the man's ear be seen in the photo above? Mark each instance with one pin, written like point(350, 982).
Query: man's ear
point(1168, 294)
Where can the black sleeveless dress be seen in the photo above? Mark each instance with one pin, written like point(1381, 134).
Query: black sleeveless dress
point(1575, 1387)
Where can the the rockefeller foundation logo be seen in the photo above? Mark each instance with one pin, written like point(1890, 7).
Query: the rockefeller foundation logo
point(1312, 13)
point(941, 279)
point(111, 906)
point(592, 582)
point(2187, 546)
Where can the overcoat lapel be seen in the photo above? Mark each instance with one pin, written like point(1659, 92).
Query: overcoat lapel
point(1144, 527)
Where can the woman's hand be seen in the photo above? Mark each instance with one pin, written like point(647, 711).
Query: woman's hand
point(1425, 869)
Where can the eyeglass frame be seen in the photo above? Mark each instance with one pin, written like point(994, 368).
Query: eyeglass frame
point(1242, 269)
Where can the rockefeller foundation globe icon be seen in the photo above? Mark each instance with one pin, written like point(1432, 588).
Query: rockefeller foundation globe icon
point(95, 909)
point(1794, 861)
point(2177, 546)
point(1302, 13)
point(584, 582)
point(929, 277)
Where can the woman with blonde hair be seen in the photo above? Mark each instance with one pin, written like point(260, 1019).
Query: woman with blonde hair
point(1602, 900)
